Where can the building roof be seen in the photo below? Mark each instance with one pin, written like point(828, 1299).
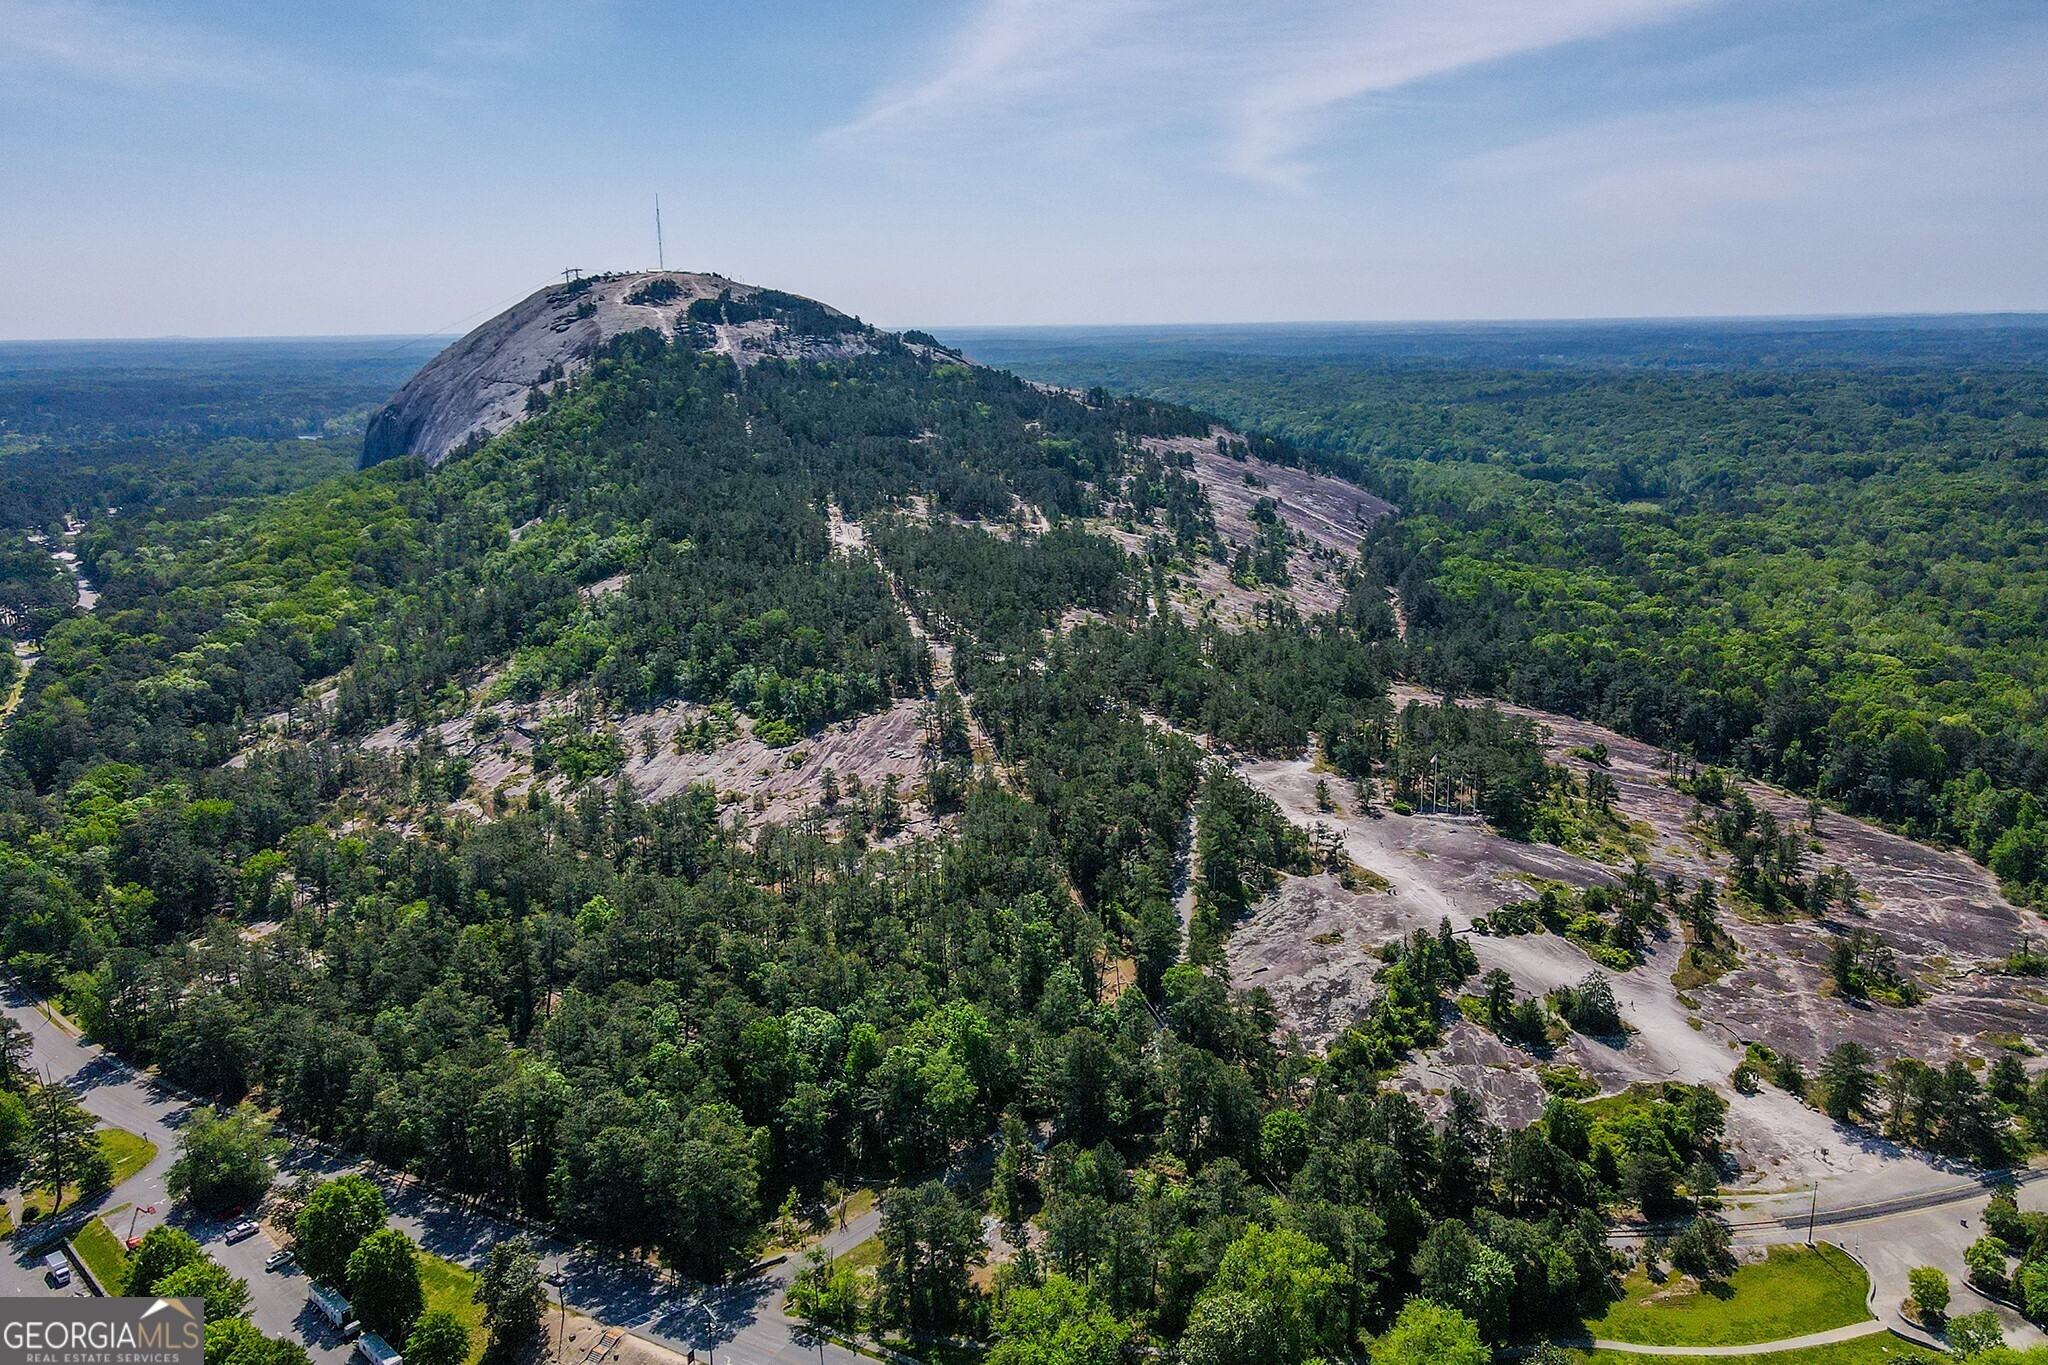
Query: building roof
point(377, 1350)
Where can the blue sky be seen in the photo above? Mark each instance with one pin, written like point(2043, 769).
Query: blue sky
point(229, 167)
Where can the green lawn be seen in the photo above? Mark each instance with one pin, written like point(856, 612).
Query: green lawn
point(863, 1255)
point(101, 1250)
point(128, 1152)
point(1798, 1290)
point(935, 1352)
point(1881, 1348)
point(448, 1285)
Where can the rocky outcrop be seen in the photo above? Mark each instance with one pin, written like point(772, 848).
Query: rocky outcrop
point(484, 383)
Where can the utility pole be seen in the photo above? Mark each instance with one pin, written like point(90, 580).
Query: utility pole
point(1811, 1211)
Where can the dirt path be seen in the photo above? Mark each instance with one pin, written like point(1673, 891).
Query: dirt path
point(1184, 875)
point(1314, 947)
point(1940, 912)
point(850, 539)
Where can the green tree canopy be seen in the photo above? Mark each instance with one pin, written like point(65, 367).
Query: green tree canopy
point(384, 1284)
point(438, 1338)
point(225, 1295)
point(1290, 1288)
point(162, 1250)
point(223, 1161)
point(930, 1241)
point(1428, 1333)
point(337, 1217)
point(62, 1148)
point(237, 1341)
point(1059, 1322)
point(513, 1298)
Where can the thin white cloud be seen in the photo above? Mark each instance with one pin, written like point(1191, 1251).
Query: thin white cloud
point(1948, 134)
point(1261, 82)
point(1378, 49)
point(126, 47)
point(1011, 47)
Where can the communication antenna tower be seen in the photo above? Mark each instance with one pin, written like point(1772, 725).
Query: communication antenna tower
point(660, 256)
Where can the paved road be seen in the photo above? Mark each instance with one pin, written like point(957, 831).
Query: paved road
point(1828, 1338)
point(1890, 1237)
point(742, 1323)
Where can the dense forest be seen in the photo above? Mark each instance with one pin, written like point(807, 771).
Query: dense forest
point(1816, 552)
point(167, 430)
point(670, 1028)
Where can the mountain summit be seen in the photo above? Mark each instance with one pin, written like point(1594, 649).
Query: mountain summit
point(485, 382)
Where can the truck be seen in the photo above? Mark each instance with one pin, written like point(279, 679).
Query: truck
point(57, 1269)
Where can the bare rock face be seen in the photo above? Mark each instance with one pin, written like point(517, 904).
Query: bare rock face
point(482, 384)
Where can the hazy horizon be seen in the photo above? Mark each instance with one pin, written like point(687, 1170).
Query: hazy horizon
point(401, 340)
point(227, 170)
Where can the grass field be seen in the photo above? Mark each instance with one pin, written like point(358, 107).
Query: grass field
point(101, 1250)
point(1796, 1291)
point(935, 1352)
point(863, 1256)
point(447, 1285)
point(128, 1152)
point(1881, 1348)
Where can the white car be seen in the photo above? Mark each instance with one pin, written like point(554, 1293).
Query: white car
point(241, 1231)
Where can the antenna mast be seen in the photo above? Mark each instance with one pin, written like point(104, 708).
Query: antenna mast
point(660, 256)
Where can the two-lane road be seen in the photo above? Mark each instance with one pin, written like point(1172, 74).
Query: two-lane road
point(743, 1323)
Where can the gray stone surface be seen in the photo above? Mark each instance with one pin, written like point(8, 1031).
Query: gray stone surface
point(481, 384)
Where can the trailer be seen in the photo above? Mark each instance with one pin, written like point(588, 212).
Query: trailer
point(376, 1351)
point(330, 1305)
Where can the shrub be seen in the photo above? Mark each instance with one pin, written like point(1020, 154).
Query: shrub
point(1986, 1260)
point(654, 291)
point(1973, 1334)
point(1702, 1249)
point(1590, 1007)
point(1930, 1292)
point(2032, 1283)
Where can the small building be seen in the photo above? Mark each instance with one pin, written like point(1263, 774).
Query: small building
point(330, 1305)
point(376, 1351)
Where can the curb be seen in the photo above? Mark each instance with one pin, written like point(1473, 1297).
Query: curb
point(92, 1281)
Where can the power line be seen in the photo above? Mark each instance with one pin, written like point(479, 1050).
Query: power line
point(447, 328)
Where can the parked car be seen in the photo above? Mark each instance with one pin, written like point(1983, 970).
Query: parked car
point(241, 1231)
point(278, 1260)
